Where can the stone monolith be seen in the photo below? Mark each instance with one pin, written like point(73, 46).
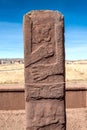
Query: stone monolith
point(44, 70)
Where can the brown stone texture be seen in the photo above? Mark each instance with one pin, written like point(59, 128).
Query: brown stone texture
point(44, 70)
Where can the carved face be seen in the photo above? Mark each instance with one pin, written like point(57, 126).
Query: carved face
point(40, 34)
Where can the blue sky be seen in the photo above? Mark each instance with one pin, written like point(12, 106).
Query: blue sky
point(11, 25)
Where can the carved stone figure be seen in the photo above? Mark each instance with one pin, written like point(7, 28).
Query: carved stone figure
point(44, 70)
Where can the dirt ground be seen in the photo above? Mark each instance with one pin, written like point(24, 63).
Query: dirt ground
point(15, 120)
point(77, 119)
point(14, 73)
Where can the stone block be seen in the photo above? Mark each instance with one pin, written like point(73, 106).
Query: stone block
point(44, 113)
point(44, 70)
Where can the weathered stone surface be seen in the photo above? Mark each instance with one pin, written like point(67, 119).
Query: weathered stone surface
point(44, 51)
point(43, 113)
point(44, 70)
point(44, 91)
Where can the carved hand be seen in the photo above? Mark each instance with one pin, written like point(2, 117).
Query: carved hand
point(42, 52)
point(48, 50)
point(39, 72)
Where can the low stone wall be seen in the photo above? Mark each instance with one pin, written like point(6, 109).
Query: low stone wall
point(12, 107)
point(76, 98)
point(12, 97)
point(76, 95)
point(15, 119)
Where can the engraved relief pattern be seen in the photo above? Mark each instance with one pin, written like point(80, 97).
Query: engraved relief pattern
point(44, 71)
point(40, 33)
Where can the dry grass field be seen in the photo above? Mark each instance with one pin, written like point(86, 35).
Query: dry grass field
point(11, 73)
point(76, 71)
point(14, 73)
